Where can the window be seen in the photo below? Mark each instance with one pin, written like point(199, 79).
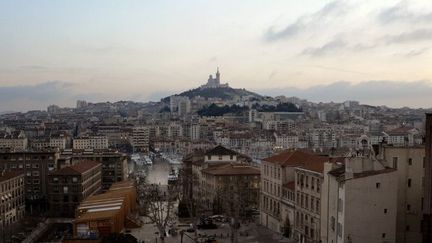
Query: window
point(74, 179)
point(65, 189)
point(409, 182)
point(422, 202)
point(332, 223)
point(385, 210)
point(312, 203)
point(340, 205)
point(407, 228)
point(339, 229)
point(408, 207)
point(395, 162)
point(409, 161)
point(383, 235)
point(378, 185)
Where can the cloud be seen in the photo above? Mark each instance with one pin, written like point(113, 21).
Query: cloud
point(401, 13)
point(39, 92)
point(325, 14)
point(39, 96)
point(336, 45)
point(413, 53)
point(327, 48)
point(33, 67)
point(382, 92)
point(410, 36)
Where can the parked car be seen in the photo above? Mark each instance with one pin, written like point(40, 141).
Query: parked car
point(206, 225)
point(190, 230)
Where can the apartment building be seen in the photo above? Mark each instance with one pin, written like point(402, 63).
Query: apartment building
point(404, 136)
point(221, 183)
point(35, 166)
point(59, 141)
point(140, 139)
point(90, 142)
point(68, 186)
point(410, 165)
point(12, 204)
point(284, 191)
point(286, 140)
point(359, 201)
point(308, 180)
point(114, 164)
point(15, 141)
point(218, 156)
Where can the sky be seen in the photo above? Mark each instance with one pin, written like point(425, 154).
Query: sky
point(55, 52)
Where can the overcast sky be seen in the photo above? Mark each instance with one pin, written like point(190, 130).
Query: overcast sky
point(378, 52)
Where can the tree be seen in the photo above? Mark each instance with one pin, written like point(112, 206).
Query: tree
point(190, 197)
point(234, 197)
point(157, 203)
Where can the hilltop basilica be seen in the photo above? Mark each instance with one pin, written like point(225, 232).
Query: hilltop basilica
point(214, 82)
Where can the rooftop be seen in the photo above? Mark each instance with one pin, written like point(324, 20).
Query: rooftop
point(9, 175)
point(77, 169)
point(299, 158)
point(232, 169)
point(221, 150)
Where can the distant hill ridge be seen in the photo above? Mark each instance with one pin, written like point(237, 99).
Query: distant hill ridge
point(225, 93)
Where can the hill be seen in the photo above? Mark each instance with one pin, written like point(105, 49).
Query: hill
point(226, 93)
point(215, 110)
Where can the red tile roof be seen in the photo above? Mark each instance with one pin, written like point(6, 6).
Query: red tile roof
point(231, 169)
point(299, 158)
point(77, 169)
point(400, 131)
point(9, 175)
point(221, 150)
point(290, 185)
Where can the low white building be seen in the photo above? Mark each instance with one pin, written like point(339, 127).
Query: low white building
point(286, 140)
point(90, 142)
point(404, 136)
point(15, 140)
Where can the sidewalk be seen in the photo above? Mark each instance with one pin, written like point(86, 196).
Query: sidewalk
point(251, 233)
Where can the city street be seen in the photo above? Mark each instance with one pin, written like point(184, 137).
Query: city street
point(158, 174)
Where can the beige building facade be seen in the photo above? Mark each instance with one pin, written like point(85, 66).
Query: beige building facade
point(409, 163)
point(359, 202)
